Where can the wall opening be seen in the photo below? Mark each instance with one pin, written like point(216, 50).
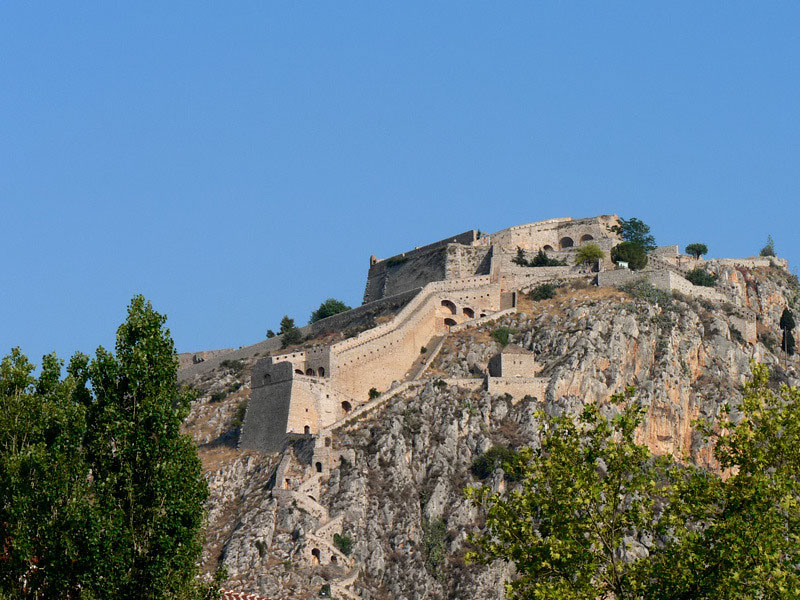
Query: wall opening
point(566, 242)
point(309, 371)
point(319, 467)
point(586, 238)
point(298, 371)
point(334, 560)
point(321, 371)
point(267, 378)
point(547, 248)
point(449, 306)
point(346, 406)
point(468, 312)
point(307, 430)
point(450, 322)
point(287, 484)
point(315, 556)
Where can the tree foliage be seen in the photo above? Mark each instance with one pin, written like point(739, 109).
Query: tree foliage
point(787, 324)
point(701, 277)
point(632, 253)
point(290, 335)
point(100, 494)
point(769, 247)
point(696, 250)
point(539, 260)
point(596, 516)
point(589, 254)
point(330, 307)
point(636, 231)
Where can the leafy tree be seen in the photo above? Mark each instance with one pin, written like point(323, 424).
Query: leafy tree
point(520, 259)
point(542, 260)
point(330, 307)
point(636, 231)
point(290, 334)
point(702, 277)
point(769, 248)
point(632, 253)
point(270, 334)
point(696, 250)
point(496, 456)
point(100, 494)
point(567, 527)
point(344, 543)
point(373, 393)
point(501, 335)
point(588, 254)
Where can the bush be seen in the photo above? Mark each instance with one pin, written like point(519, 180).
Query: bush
point(500, 335)
point(632, 253)
point(270, 334)
point(544, 291)
point(423, 350)
point(396, 260)
point(330, 307)
point(702, 277)
point(696, 250)
point(237, 366)
point(434, 545)
point(373, 393)
point(496, 456)
point(589, 254)
point(238, 418)
point(290, 334)
point(217, 397)
point(344, 543)
point(642, 290)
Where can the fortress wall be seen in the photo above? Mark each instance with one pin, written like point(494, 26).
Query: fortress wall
point(518, 387)
point(362, 314)
point(467, 238)
point(465, 261)
point(674, 282)
point(752, 263)
point(534, 236)
point(388, 278)
point(265, 421)
point(314, 404)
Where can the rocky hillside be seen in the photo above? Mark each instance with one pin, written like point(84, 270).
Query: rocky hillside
point(396, 491)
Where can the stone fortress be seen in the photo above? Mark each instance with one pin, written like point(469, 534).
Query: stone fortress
point(308, 391)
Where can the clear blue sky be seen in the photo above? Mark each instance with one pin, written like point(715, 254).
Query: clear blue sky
point(238, 161)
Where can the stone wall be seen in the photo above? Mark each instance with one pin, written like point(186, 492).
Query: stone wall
point(518, 387)
point(556, 234)
point(265, 423)
point(363, 314)
point(465, 261)
point(401, 274)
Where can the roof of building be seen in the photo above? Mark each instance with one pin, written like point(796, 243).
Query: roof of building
point(515, 349)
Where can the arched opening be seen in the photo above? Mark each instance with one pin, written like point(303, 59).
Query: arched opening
point(449, 306)
point(267, 378)
point(321, 371)
point(547, 248)
point(309, 371)
point(334, 560)
point(586, 238)
point(468, 312)
point(299, 371)
point(307, 430)
point(566, 242)
point(346, 406)
point(315, 556)
point(287, 484)
point(319, 467)
point(450, 322)
point(483, 315)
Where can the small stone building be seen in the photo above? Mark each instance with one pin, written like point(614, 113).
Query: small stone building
point(513, 361)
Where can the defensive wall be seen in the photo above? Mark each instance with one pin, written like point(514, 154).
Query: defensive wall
point(557, 234)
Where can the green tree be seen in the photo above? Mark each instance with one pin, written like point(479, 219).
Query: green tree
point(636, 231)
point(701, 277)
point(696, 250)
point(588, 254)
point(270, 334)
point(632, 253)
point(330, 307)
point(100, 494)
point(568, 526)
point(769, 248)
point(290, 335)
point(787, 324)
point(520, 259)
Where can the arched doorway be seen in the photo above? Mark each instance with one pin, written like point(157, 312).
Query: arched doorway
point(319, 467)
point(586, 238)
point(267, 378)
point(450, 322)
point(309, 371)
point(346, 407)
point(450, 306)
point(468, 312)
point(566, 242)
point(307, 430)
point(299, 371)
point(315, 556)
point(547, 248)
point(321, 371)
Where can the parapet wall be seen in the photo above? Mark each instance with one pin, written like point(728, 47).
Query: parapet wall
point(557, 234)
point(518, 387)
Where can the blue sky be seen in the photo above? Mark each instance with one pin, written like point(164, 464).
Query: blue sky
point(238, 161)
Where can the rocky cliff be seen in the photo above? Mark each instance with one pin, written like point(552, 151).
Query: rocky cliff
point(394, 498)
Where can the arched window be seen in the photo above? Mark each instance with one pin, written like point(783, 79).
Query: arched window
point(450, 322)
point(547, 248)
point(449, 306)
point(334, 560)
point(468, 312)
point(267, 378)
point(298, 371)
point(306, 429)
point(321, 371)
point(319, 467)
point(346, 407)
point(586, 238)
point(566, 242)
point(315, 556)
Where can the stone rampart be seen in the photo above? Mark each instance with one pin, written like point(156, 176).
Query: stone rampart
point(465, 261)
point(518, 387)
point(557, 234)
